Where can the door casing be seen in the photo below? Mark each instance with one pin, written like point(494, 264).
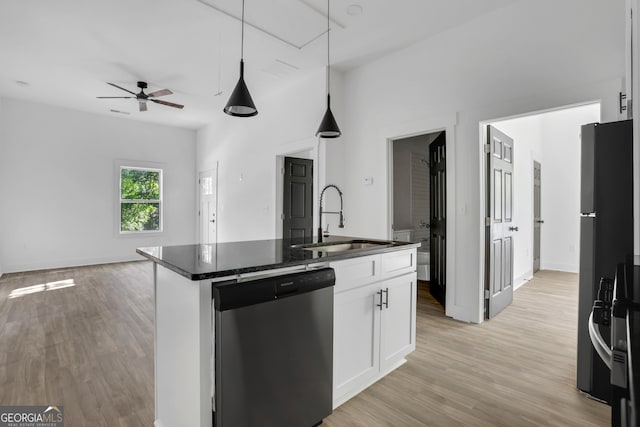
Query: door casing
point(537, 214)
point(432, 124)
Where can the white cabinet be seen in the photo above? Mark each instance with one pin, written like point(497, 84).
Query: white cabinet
point(374, 319)
point(398, 323)
point(356, 340)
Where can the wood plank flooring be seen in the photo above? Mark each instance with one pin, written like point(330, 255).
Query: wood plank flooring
point(517, 369)
point(83, 338)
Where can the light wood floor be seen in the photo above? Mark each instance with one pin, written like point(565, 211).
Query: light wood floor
point(88, 345)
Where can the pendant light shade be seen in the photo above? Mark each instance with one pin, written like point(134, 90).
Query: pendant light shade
point(240, 103)
point(328, 126)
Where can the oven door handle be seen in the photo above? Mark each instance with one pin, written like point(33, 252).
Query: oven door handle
point(598, 342)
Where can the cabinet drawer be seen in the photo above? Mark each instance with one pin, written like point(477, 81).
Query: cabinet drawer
point(356, 272)
point(397, 263)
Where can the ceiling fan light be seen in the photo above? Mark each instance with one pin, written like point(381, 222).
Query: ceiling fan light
point(240, 103)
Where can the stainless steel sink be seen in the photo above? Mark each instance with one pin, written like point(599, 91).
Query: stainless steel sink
point(344, 246)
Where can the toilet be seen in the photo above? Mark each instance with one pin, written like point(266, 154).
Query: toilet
point(423, 261)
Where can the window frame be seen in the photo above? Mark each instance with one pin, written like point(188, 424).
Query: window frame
point(143, 166)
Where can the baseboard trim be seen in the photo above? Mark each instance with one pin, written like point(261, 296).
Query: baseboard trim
point(522, 280)
point(567, 268)
point(70, 263)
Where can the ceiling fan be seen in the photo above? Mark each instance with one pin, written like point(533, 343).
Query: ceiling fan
point(144, 97)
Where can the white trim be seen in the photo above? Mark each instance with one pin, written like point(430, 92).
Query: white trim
point(522, 280)
point(310, 144)
point(120, 164)
point(567, 268)
point(70, 263)
point(431, 124)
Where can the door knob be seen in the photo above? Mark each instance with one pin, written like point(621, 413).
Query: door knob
point(213, 220)
point(513, 228)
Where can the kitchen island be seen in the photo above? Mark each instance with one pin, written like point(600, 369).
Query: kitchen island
point(373, 317)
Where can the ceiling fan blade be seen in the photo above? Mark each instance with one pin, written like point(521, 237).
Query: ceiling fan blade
point(162, 92)
point(121, 88)
point(116, 97)
point(143, 106)
point(169, 104)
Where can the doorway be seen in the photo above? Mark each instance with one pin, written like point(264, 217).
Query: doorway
point(547, 221)
point(297, 207)
point(419, 198)
point(306, 150)
point(208, 205)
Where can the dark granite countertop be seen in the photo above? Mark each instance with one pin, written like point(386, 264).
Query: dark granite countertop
point(201, 262)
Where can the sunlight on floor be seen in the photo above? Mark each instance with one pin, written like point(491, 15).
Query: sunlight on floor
point(20, 292)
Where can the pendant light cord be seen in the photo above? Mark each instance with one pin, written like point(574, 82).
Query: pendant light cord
point(242, 35)
point(328, 62)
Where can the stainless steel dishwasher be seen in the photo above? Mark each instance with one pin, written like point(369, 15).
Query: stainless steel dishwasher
point(274, 350)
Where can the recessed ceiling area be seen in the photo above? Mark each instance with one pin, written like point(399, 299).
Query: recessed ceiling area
point(294, 23)
point(68, 49)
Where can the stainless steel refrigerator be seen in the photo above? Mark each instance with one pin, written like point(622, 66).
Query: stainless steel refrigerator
point(606, 234)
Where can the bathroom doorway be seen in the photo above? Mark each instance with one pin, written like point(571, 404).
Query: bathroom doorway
point(419, 204)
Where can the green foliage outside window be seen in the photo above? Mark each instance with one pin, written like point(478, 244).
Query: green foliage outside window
point(139, 200)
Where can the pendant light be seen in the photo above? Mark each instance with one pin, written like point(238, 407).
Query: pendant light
point(328, 126)
point(240, 103)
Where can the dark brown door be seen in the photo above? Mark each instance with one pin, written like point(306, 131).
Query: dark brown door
point(297, 221)
point(438, 218)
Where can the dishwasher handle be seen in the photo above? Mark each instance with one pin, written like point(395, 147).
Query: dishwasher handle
point(232, 294)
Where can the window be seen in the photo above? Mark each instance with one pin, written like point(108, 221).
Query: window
point(140, 199)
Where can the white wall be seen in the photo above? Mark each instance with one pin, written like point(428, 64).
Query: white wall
point(60, 193)
point(402, 177)
point(561, 145)
point(527, 57)
point(248, 147)
point(553, 139)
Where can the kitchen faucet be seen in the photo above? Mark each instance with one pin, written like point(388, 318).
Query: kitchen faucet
point(320, 212)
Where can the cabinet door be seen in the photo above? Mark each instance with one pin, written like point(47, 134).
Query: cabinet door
point(398, 320)
point(356, 340)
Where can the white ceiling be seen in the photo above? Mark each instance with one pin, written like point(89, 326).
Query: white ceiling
point(67, 49)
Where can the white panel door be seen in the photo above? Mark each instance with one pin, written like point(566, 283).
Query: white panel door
point(208, 185)
point(500, 228)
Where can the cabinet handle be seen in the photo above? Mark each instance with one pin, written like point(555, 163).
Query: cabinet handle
point(379, 305)
point(386, 298)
